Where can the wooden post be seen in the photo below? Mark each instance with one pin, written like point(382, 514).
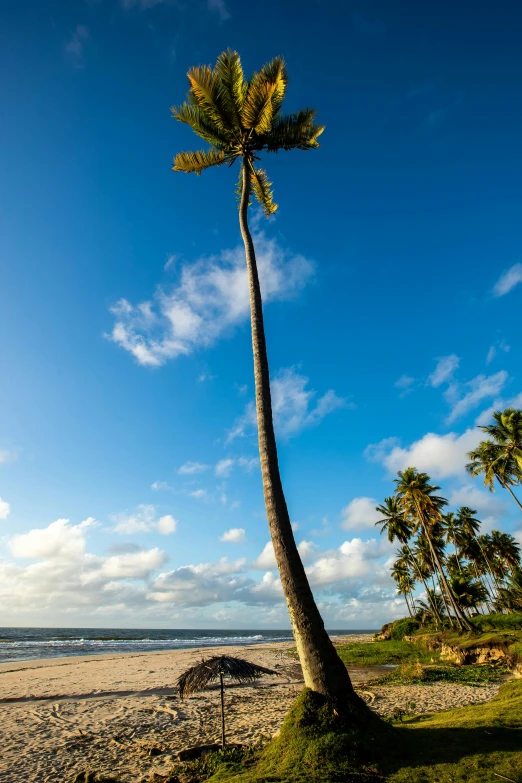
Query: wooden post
point(222, 710)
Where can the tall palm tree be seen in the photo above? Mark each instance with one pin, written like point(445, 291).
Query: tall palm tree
point(240, 119)
point(468, 592)
point(395, 524)
point(492, 460)
point(418, 498)
point(506, 431)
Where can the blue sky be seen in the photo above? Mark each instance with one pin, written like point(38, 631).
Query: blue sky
point(392, 276)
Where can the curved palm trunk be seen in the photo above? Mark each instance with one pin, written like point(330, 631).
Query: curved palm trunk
point(506, 486)
point(461, 618)
point(323, 670)
point(421, 577)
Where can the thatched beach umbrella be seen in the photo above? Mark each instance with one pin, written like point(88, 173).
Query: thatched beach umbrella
point(202, 674)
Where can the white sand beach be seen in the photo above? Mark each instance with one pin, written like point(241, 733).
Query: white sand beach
point(121, 713)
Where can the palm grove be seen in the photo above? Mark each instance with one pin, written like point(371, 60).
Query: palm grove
point(460, 570)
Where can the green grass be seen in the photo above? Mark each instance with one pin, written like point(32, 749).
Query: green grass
point(466, 745)
point(383, 653)
point(498, 622)
point(413, 673)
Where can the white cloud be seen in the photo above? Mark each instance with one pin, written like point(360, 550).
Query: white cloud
point(60, 540)
point(158, 486)
point(480, 388)
point(189, 468)
point(167, 525)
point(443, 372)
point(354, 559)
point(137, 565)
point(223, 467)
point(498, 405)
point(508, 280)
point(233, 536)
point(5, 456)
point(220, 8)
point(483, 501)
point(143, 520)
point(405, 384)
point(248, 463)
point(438, 455)
point(210, 298)
point(266, 560)
point(307, 550)
point(491, 354)
point(75, 46)
point(293, 405)
point(198, 493)
point(359, 513)
point(5, 508)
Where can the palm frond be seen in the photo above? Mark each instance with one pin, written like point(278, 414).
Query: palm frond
point(274, 73)
point(294, 131)
point(262, 188)
point(257, 111)
point(195, 162)
point(200, 123)
point(205, 91)
point(206, 671)
point(233, 85)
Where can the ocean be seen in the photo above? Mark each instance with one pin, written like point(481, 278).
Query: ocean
point(24, 644)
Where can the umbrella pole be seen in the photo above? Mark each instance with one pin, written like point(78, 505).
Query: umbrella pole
point(222, 710)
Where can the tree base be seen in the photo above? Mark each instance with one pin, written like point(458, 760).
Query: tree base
point(316, 745)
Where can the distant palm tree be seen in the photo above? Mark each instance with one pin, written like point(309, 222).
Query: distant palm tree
point(468, 592)
point(240, 119)
point(418, 498)
point(428, 612)
point(405, 584)
point(506, 548)
point(510, 596)
point(424, 558)
point(490, 459)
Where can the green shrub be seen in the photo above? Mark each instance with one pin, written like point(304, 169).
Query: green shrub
point(498, 622)
point(404, 627)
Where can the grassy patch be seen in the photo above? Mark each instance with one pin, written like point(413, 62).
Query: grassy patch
point(498, 622)
point(383, 653)
point(414, 673)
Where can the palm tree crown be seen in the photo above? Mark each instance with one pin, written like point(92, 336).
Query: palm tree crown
point(240, 118)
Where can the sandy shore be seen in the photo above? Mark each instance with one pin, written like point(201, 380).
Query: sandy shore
point(121, 713)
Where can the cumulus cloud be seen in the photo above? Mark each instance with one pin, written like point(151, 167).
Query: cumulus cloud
point(438, 455)
point(353, 560)
point(60, 540)
point(143, 520)
point(294, 406)
point(465, 397)
point(359, 513)
point(75, 46)
point(499, 405)
point(266, 560)
point(508, 280)
point(5, 508)
point(210, 297)
point(233, 536)
point(189, 468)
point(443, 372)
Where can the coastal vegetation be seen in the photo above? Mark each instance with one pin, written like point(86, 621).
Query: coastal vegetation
point(239, 119)
point(464, 574)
